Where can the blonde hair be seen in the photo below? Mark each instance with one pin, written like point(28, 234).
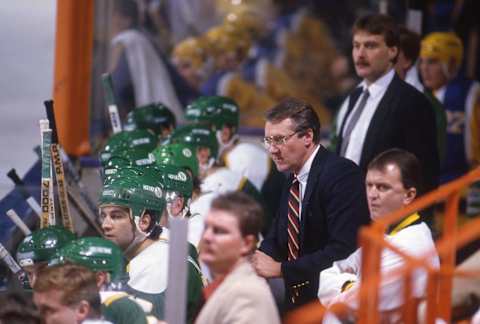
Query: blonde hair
point(76, 283)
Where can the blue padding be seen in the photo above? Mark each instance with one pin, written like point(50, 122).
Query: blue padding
point(15, 200)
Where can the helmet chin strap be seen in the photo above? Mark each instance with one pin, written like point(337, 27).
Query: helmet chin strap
point(138, 236)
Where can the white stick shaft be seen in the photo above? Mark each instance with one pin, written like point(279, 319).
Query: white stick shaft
point(46, 189)
point(9, 260)
point(18, 221)
point(34, 206)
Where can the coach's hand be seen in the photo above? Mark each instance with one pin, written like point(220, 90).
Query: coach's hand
point(265, 266)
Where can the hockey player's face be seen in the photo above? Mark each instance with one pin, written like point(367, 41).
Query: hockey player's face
point(385, 191)
point(222, 244)
point(433, 73)
point(53, 311)
point(371, 55)
point(287, 148)
point(117, 225)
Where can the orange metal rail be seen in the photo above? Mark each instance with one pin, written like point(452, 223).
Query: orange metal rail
point(439, 285)
point(73, 65)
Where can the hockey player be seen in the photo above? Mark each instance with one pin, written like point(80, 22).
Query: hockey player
point(131, 205)
point(228, 48)
point(178, 185)
point(182, 155)
point(190, 59)
point(105, 258)
point(215, 179)
point(440, 60)
point(247, 159)
point(155, 117)
point(124, 141)
point(37, 249)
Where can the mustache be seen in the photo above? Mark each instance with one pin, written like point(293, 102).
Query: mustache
point(361, 62)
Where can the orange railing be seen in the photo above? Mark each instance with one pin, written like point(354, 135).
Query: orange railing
point(439, 286)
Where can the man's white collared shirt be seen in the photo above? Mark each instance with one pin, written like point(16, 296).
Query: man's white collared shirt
point(377, 90)
point(302, 176)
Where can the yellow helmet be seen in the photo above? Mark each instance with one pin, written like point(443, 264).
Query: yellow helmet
point(224, 38)
point(443, 46)
point(191, 49)
point(245, 18)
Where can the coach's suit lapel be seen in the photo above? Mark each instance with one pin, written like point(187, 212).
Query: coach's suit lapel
point(380, 117)
point(312, 182)
point(351, 103)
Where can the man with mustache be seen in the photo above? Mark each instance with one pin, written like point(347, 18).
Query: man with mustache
point(385, 112)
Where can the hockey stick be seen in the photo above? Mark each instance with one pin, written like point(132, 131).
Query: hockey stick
point(46, 190)
point(12, 174)
point(83, 209)
point(19, 222)
point(9, 260)
point(110, 101)
point(67, 220)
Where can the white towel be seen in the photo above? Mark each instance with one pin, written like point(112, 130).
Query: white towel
point(151, 81)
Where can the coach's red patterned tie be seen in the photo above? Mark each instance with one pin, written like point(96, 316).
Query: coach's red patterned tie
point(294, 220)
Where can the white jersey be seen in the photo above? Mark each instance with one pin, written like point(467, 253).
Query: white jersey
point(223, 180)
point(148, 270)
point(251, 161)
point(415, 240)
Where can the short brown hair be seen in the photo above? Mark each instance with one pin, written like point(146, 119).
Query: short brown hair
point(378, 24)
point(301, 112)
point(76, 283)
point(244, 208)
point(409, 43)
point(18, 309)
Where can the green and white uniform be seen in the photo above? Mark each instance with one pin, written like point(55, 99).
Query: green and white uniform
point(148, 273)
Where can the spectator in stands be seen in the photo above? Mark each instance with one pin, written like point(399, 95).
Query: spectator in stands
point(237, 294)
point(440, 60)
point(140, 76)
point(393, 181)
point(406, 68)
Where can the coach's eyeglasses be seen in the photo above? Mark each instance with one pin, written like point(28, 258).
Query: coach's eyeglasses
point(277, 140)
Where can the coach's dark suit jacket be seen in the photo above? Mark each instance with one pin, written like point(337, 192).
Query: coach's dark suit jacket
point(403, 119)
point(333, 208)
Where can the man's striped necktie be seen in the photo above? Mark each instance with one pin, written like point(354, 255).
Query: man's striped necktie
point(294, 220)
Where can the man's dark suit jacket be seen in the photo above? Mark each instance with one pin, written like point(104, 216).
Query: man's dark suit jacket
point(334, 206)
point(403, 119)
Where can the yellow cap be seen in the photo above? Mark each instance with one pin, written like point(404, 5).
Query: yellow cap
point(443, 46)
point(191, 49)
point(247, 19)
point(224, 38)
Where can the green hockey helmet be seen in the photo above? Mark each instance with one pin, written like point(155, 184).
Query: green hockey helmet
point(215, 111)
point(114, 164)
point(197, 136)
point(178, 154)
point(41, 245)
point(135, 139)
point(136, 189)
point(155, 117)
point(138, 156)
point(95, 253)
point(176, 180)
